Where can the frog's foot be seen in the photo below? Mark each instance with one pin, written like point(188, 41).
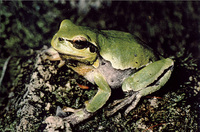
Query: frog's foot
point(134, 99)
point(77, 116)
point(133, 105)
point(115, 102)
point(52, 55)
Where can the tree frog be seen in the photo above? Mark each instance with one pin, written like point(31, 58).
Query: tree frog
point(110, 59)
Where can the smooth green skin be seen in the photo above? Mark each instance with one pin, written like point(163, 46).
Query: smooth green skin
point(123, 51)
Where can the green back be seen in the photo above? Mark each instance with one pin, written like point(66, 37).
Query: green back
point(124, 51)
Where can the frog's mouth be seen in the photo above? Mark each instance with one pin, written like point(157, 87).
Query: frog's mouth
point(64, 55)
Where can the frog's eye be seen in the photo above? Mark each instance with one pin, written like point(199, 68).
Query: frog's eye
point(80, 43)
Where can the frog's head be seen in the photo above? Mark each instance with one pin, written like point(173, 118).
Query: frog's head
point(75, 42)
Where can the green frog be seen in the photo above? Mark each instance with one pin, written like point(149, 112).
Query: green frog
point(111, 60)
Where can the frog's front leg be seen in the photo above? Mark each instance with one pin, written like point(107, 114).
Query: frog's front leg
point(94, 104)
point(144, 82)
point(53, 55)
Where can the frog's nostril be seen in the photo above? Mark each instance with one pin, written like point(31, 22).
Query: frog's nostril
point(60, 39)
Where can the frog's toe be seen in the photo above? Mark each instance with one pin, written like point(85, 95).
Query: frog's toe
point(133, 105)
point(115, 102)
point(50, 54)
point(78, 116)
point(60, 112)
point(122, 104)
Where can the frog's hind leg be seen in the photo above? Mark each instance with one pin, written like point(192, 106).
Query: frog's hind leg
point(144, 82)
